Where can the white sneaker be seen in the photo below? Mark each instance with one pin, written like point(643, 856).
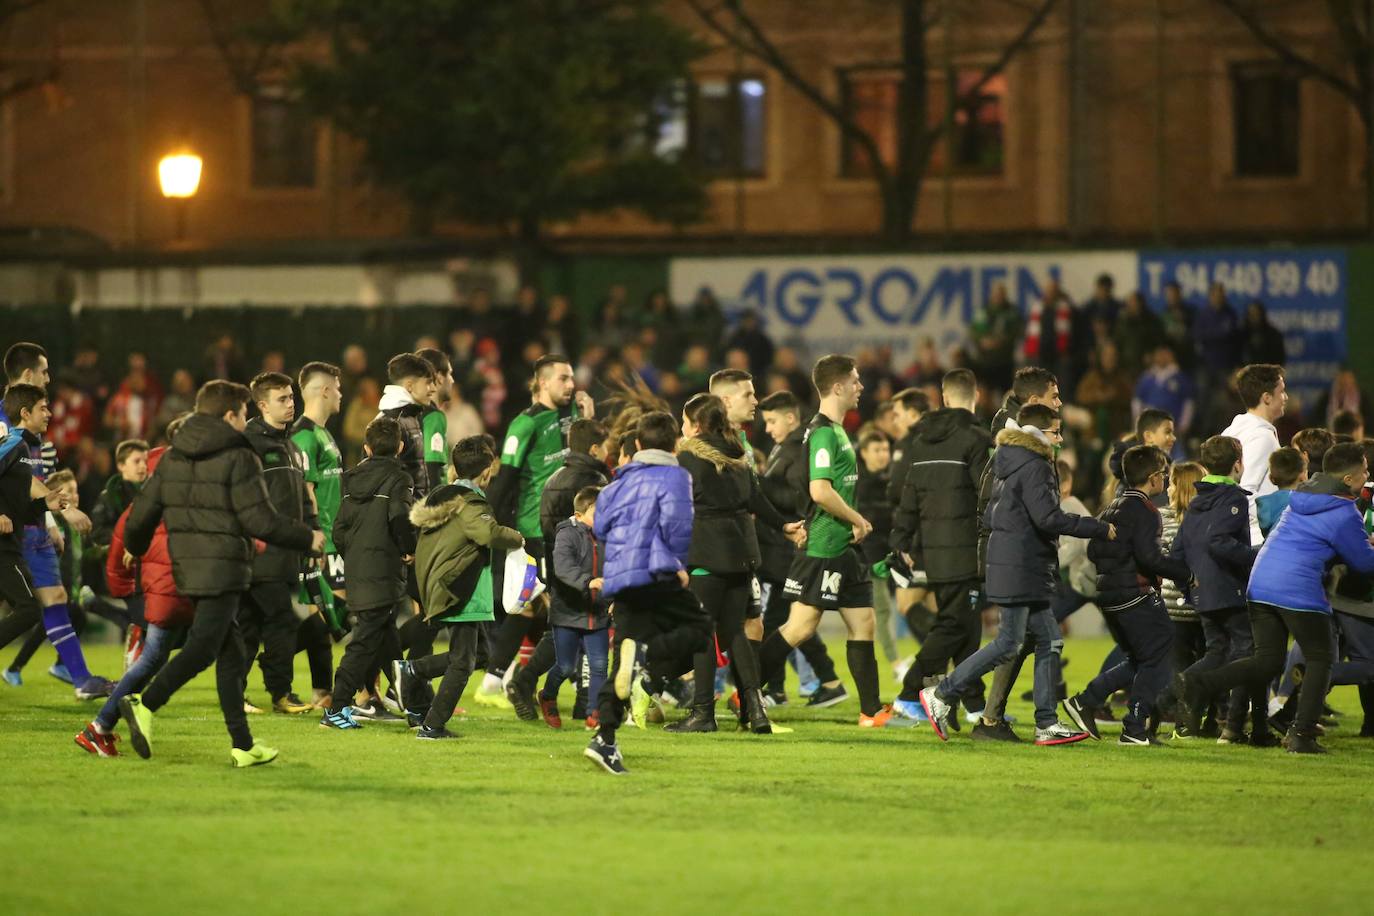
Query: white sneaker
point(1059, 733)
point(937, 710)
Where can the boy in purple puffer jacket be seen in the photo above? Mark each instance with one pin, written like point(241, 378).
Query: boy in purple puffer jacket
point(644, 522)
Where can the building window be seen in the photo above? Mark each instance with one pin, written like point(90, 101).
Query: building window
point(978, 139)
point(1265, 111)
point(284, 147)
point(727, 125)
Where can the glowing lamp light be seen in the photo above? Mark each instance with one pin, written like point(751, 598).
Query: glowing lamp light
point(179, 175)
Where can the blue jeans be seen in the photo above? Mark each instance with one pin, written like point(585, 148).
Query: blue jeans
point(567, 641)
point(1038, 622)
point(1357, 641)
point(157, 645)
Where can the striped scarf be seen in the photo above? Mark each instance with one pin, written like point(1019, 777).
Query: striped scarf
point(1033, 347)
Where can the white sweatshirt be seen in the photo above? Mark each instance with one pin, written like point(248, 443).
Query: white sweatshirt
point(1258, 440)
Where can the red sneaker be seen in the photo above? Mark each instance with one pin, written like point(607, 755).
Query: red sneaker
point(549, 710)
point(92, 742)
point(593, 721)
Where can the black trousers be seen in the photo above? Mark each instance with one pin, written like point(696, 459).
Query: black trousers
point(726, 598)
point(313, 638)
point(269, 621)
point(16, 589)
point(456, 665)
point(669, 622)
point(365, 651)
point(1229, 637)
point(213, 639)
point(1145, 633)
point(953, 637)
point(775, 614)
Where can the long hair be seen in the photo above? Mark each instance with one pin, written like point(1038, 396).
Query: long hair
point(1183, 480)
point(629, 402)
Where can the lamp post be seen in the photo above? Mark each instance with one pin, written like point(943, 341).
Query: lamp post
point(179, 175)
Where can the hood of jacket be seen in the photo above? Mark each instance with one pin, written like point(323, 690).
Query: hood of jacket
point(652, 456)
point(1016, 448)
point(394, 396)
point(1011, 406)
point(258, 428)
point(367, 478)
point(939, 425)
point(712, 450)
point(1245, 424)
point(203, 435)
point(1323, 493)
point(578, 459)
point(441, 505)
point(1211, 495)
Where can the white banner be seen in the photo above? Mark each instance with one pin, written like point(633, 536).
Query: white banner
point(843, 304)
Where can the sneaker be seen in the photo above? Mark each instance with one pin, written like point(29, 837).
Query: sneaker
point(343, 719)
point(807, 689)
point(60, 672)
point(1304, 744)
point(140, 721)
point(549, 710)
point(133, 645)
point(999, 732)
point(425, 733)
point(414, 719)
point(93, 742)
point(937, 711)
point(1231, 736)
point(95, 687)
point(1082, 716)
point(13, 678)
point(1183, 732)
point(773, 699)
point(1057, 734)
point(879, 719)
point(910, 709)
point(825, 697)
point(252, 710)
point(521, 699)
point(625, 671)
point(640, 701)
point(497, 700)
point(291, 705)
point(606, 756)
point(255, 756)
point(374, 711)
point(1129, 740)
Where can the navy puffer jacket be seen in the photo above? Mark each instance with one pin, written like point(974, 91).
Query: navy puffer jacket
point(1024, 521)
point(644, 522)
point(1214, 542)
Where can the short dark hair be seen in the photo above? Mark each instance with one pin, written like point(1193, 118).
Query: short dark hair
point(219, 397)
point(628, 444)
point(1219, 454)
point(872, 436)
point(727, 377)
point(1038, 415)
point(656, 429)
point(1140, 462)
point(1314, 442)
point(471, 456)
point(782, 402)
point(20, 397)
point(830, 370)
point(312, 369)
point(1286, 466)
point(124, 449)
point(912, 399)
point(437, 360)
point(1342, 459)
point(20, 358)
point(264, 382)
point(585, 499)
point(1346, 422)
point(1151, 419)
point(961, 383)
point(1031, 382)
point(407, 365)
point(383, 436)
point(584, 434)
point(1255, 381)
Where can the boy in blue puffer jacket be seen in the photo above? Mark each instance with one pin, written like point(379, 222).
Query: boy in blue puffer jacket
point(1287, 595)
point(644, 522)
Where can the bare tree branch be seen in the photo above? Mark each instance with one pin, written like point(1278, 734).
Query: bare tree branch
point(1285, 52)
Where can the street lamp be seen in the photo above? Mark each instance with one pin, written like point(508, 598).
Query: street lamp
point(179, 175)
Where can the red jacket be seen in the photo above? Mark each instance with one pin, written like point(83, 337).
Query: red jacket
point(162, 605)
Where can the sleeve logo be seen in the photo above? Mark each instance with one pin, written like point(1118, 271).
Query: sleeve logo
point(512, 445)
point(436, 443)
point(822, 458)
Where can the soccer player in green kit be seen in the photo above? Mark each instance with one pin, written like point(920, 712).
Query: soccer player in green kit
point(533, 448)
point(324, 587)
point(831, 575)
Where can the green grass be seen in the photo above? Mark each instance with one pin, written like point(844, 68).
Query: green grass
point(828, 819)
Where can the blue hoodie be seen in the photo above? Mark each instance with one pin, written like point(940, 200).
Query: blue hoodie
point(1322, 524)
point(1269, 508)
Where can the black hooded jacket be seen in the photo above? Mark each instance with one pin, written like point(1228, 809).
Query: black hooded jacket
point(283, 468)
point(786, 485)
point(210, 491)
point(937, 508)
point(373, 531)
point(556, 502)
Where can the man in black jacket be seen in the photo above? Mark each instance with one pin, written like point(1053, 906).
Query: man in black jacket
point(937, 516)
point(268, 617)
point(908, 407)
point(1128, 573)
point(210, 492)
point(785, 483)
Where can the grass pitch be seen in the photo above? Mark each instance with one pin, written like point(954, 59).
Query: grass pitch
point(827, 820)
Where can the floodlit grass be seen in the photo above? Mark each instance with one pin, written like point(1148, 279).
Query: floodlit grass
point(827, 820)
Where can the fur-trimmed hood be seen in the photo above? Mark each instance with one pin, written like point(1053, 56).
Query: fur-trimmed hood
point(711, 453)
point(1027, 437)
point(443, 504)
